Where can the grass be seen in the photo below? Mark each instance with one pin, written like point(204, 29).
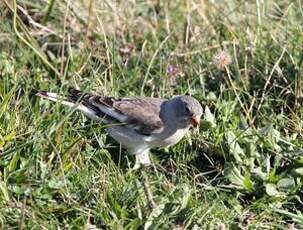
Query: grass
point(242, 170)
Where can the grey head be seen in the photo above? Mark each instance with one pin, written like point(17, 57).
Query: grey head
point(186, 110)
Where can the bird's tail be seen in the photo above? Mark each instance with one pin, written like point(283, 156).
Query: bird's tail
point(72, 101)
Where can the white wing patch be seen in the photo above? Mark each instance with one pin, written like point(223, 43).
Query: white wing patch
point(55, 97)
point(110, 111)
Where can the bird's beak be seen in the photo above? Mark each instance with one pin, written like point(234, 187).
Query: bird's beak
point(195, 121)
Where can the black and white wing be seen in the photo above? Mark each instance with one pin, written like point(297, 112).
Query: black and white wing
point(140, 114)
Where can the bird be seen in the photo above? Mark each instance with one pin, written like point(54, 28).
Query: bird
point(139, 124)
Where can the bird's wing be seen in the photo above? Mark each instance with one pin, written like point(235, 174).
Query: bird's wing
point(143, 114)
point(140, 114)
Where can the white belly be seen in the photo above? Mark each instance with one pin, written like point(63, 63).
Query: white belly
point(171, 139)
point(137, 143)
point(128, 138)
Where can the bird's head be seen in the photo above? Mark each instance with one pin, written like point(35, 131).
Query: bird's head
point(188, 111)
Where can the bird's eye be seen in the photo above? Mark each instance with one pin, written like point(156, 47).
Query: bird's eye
point(187, 110)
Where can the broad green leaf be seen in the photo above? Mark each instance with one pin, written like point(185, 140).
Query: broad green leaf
point(211, 96)
point(4, 191)
point(286, 184)
point(186, 196)
point(248, 184)
point(56, 183)
point(209, 117)
point(182, 198)
point(13, 163)
point(271, 190)
point(153, 216)
point(272, 136)
point(234, 148)
point(9, 136)
point(258, 171)
point(299, 171)
point(233, 174)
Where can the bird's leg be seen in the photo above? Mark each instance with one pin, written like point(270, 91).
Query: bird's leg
point(147, 191)
point(142, 159)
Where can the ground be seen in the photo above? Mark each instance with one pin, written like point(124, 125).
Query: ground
point(242, 60)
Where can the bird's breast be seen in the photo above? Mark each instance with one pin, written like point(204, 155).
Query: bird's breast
point(171, 138)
